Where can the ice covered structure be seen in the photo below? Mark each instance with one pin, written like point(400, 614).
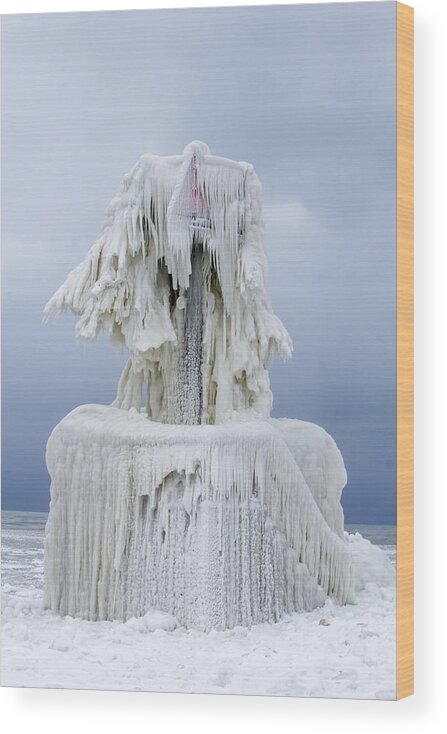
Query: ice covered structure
point(198, 503)
point(177, 276)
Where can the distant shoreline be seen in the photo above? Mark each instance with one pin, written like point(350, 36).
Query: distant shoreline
point(381, 534)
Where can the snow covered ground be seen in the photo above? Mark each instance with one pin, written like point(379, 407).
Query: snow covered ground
point(334, 651)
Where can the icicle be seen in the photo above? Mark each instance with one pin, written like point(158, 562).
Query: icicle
point(218, 525)
point(131, 280)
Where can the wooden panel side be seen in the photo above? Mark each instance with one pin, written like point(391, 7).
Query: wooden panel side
point(405, 204)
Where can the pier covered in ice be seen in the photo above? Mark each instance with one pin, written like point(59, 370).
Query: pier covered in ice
point(217, 525)
point(196, 503)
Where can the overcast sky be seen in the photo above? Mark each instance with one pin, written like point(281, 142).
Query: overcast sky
point(307, 94)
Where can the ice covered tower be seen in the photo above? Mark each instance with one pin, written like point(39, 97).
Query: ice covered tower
point(177, 275)
point(197, 503)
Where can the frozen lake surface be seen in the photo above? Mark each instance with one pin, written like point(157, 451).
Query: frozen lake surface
point(334, 651)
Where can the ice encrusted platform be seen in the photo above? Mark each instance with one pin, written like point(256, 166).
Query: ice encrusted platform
point(219, 525)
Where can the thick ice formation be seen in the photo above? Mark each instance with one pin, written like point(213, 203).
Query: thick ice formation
point(234, 518)
point(216, 525)
point(135, 283)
